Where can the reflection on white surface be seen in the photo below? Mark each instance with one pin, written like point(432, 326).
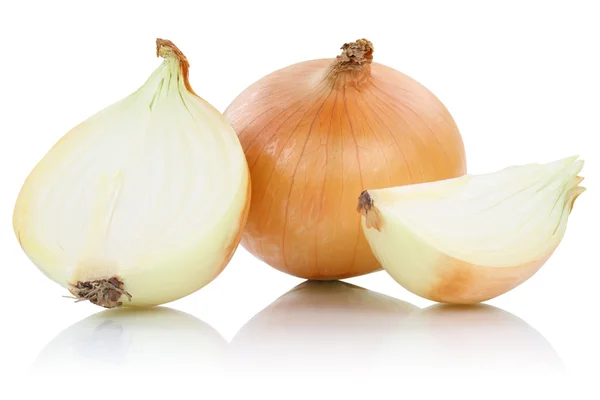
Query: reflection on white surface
point(328, 329)
point(134, 340)
point(319, 331)
point(472, 340)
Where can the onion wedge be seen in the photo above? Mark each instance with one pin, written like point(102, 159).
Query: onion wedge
point(469, 239)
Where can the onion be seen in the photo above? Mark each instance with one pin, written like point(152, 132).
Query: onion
point(472, 238)
point(318, 132)
point(144, 202)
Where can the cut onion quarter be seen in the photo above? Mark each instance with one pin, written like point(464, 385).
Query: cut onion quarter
point(469, 239)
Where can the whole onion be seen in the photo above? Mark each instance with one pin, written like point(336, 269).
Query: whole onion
point(318, 133)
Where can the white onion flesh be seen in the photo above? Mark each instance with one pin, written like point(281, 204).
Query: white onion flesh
point(153, 189)
point(472, 238)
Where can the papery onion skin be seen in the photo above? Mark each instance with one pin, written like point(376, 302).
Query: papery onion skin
point(315, 133)
point(145, 201)
point(427, 271)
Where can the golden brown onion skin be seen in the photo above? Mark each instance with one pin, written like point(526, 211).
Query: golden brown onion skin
point(318, 133)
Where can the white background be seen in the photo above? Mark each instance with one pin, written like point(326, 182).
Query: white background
point(521, 78)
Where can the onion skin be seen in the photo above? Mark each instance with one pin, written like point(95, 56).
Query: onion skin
point(318, 132)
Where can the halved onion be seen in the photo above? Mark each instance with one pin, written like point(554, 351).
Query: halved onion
point(144, 202)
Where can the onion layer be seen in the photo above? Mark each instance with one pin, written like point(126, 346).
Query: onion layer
point(469, 239)
point(314, 134)
point(144, 202)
